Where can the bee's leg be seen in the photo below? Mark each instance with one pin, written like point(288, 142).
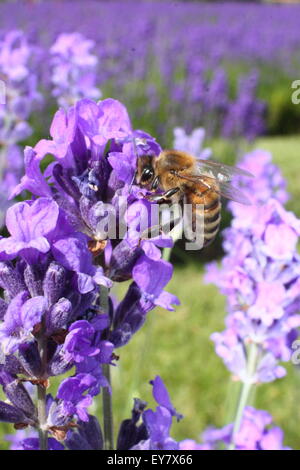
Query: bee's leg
point(164, 197)
point(162, 228)
point(159, 229)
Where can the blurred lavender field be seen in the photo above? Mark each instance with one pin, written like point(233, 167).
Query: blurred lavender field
point(228, 67)
point(215, 80)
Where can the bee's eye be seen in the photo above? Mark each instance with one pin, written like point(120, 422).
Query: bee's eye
point(147, 174)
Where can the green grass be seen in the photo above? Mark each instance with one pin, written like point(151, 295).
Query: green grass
point(177, 346)
point(286, 154)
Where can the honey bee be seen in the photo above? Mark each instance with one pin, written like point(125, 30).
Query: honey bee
point(184, 178)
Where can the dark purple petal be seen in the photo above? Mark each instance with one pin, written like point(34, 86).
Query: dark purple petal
point(92, 433)
point(10, 414)
point(20, 398)
point(30, 359)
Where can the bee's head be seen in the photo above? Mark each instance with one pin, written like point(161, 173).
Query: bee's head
point(147, 175)
point(145, 170)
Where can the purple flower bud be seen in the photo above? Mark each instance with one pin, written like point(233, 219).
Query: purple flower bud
point(3, 308)
point(58, 316)
point(121, 336)
point(129, 316)
point(11, 280)
point(130, 433)
point(54, 282)
point(11, 364)
point(20, 398)
point(56, 415)
point(81, 303)
point(123, 260)
point(33, 281)
point(58, 364)
point(162, 397)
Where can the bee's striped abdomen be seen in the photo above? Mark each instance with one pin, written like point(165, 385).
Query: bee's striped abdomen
point(212, 219)
point(206, 211)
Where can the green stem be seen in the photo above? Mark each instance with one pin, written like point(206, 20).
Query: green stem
point(176, 234)
point(108, 429)
point(245, 392)
point(42, 417)
point(42, 393)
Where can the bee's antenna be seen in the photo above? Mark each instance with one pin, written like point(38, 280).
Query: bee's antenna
point(132, 181)
point(136, 154)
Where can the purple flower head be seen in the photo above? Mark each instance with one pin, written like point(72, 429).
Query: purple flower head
point(95, 155)
point(14, 56)
point(74, 68)
point(18, 68)
point(38, 227)
point(267, 183)
point(256, 432)
point(260, 277)
point(19, 73)
point(245, 115)
point(192, 143)
point(11, 168)
point(40, 297)
point(53, 314)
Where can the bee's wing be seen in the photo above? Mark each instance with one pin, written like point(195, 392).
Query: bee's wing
point(225, 188)
point(230, 192)
point(222, 171)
